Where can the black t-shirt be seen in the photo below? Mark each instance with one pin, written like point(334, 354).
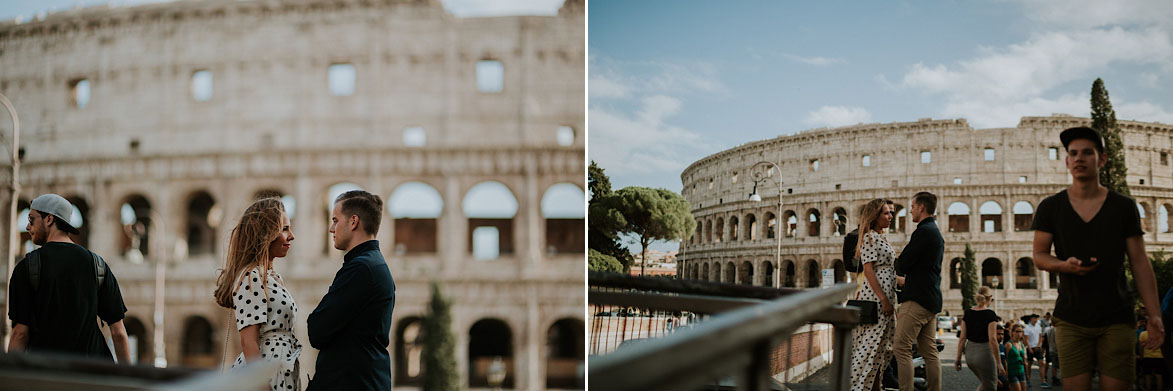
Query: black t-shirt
point(62, 315)
point(1099, 298)
point(977, 324)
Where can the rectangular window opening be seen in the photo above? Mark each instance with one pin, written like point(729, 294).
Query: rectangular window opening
point(926, 157)
point(490, 76)
point(341, 79)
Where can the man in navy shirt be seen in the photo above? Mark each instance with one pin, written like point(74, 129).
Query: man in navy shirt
point(351, 325)
point(916, 323)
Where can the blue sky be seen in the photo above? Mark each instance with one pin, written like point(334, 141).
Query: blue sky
point(673, 81)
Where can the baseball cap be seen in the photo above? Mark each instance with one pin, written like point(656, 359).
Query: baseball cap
point(58, 207)
point(1082, 132)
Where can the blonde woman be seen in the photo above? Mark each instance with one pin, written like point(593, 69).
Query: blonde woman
point(980, 326)
point(249, 286)
point(872, 344)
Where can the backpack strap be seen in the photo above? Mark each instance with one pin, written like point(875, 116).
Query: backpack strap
point(99, 268)
point(34, 260)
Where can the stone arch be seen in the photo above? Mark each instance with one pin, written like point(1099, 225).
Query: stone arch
point(771, 225)
point(815, 220)
point(839, 219)
point(1024, 274)
point(1023, 216)
point(699, 238)
point(813, 274)
point(991, 216)
point(745, 273)
point(22, 221)
point(901, 218)
point(490, 208)
point(791, 221)
point(139, 340)
point(734, 228)
point(958, 217)
point(198, 349)
point(730, 273)
point(720, 229)
point(409, 349)
point(135, 217)
point(955, 273)
point(705, 272)
point(751, 227)
point(790, 275)
point(203, 216)
point(565, 353)
point(1143, 208)
point(79, 220)
point(840, 271)
point(768, 273)
point(709, 231)
point(489, 340)
point(415, 209)
point(991, 271)
point(1163, 218)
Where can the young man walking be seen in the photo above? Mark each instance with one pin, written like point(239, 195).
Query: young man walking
point(59, 289)
point(1092, 229)
point(1034, 350)
point(352, 324)
point(916, 323)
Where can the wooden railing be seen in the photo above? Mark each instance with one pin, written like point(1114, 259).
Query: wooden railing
point(747, 322)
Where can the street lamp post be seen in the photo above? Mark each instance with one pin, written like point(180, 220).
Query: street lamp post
point(762, 170)
point(15, 189)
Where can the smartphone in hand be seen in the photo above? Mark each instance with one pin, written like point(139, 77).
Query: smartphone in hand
point(1088, 262)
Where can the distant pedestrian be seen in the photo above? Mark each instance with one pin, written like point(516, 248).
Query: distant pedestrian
point(1034, 350)
point(1052, 355)
point(1093, 230)
point(920, 301)
point(59, 290)
point(1016, 358)
point(872, 343)
point(980, 326)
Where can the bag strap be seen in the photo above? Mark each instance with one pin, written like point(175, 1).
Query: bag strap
point(227, 334)
point(99, 268)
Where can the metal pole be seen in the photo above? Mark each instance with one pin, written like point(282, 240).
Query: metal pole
point(15, 188)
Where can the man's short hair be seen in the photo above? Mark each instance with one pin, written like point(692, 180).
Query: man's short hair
point(927, 200)
point(368, 207)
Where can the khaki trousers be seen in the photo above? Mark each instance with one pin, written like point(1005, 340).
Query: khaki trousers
point(916, 326)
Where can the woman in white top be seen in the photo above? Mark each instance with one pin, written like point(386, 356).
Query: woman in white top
point(249, 286)
point(872, 343)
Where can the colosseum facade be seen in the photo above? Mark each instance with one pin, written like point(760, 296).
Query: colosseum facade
point(161, 122)
point(988, 181)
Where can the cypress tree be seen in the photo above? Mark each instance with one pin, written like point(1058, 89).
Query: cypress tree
point(1114, 175)
point(439, 355)
point(969, 278)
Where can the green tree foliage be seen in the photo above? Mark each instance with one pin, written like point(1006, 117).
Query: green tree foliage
point(1114, 175)
point(599, 262)
point(439, 355)
point(1163, 269)
point(601, 236)
point(648, 214)
point(969, 278)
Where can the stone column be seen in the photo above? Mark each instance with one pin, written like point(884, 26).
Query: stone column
point(453, 230)
point(533, 344)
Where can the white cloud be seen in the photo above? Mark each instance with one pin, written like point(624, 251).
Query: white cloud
point(1143, 111)
point(482, 8)
point(816, 61)
point(601, 86)
point(1000, 85)
point(643, 143)
point(1098, 13)
point(833, 116)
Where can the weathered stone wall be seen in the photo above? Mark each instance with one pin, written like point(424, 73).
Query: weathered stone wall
point(1022, 170)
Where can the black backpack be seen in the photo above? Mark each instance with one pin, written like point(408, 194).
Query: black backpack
point(34, 260)
point(850, 261)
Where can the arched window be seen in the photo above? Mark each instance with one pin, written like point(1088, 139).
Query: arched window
point(745, 273)
point(771, 225)
point(490, 344)
point(565, 353)
point(839, 217)
point(955, 273)
point(791, 223)
point(705, 272)
point(901, 218)
point(992, 273)
point(709, 231)
point(416, 208)
point(203, 217)
point(562, 206)
point(716, 276)
point(840, 271)
point(768, 274)
point(135, 215)
point(991, 216)
point(1023, 214)
point(1163, 218)
point(720, 225)
point(699, 237)
point(813, 274)
point(197, 349)
point(790, 279)
point(958, 217)
point(733, 228)
point(409, 349)
point(490, 207)
point(730, 273)
point(81, 215)
point(138, 339)
point(1144, 220)
point(815, 222)
point(1024, 274)
point(751, 227)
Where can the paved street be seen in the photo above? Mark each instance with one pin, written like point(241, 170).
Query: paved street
point(951, 380)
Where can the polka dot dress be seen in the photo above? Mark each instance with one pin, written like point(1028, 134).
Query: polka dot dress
point(274, 314)
point(872, 344)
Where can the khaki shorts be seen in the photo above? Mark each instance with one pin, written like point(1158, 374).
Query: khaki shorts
point(1081, 349)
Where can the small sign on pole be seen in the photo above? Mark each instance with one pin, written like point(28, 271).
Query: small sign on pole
point(828, 278)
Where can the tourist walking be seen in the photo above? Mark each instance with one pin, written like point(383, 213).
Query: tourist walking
point(256, 294)
point(920, 301)
point(1034, 350)
point(1052, 355)
point(979, 342)
point(352, 325)
point(1016, 358)
point(1092, 230)
point(872, 344)
point(57, 291)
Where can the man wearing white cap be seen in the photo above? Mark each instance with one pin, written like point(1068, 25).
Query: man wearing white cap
point(57, 291)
